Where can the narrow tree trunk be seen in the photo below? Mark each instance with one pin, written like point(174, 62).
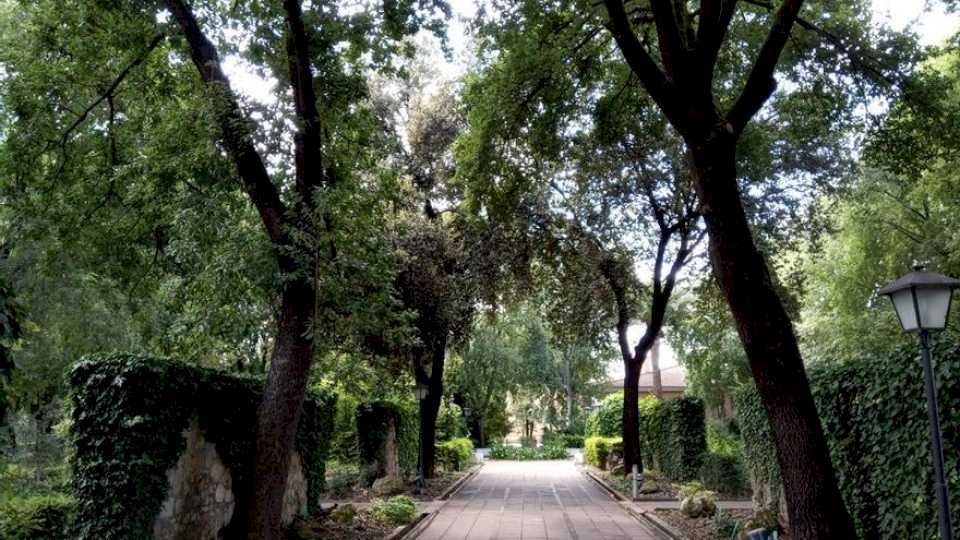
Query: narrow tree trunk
point(279, 413)
point(430, 407)
point(631, 418)
point(568, 379)
point(815, 504)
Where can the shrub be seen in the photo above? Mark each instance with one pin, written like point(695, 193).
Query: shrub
point(398, 510)
point(451, 423)
point(721, 440)
point(454, 454)
point(560, 438)
point(45, 517)
point(342, 482)
point(528, 442)
point(129, 413)
point(724, 525)
point(607, 421)
point(596, 449)
point(723, 473)
point(873, 410)
point(499, 451)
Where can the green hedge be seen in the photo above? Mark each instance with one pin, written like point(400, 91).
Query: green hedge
point(527, 453)
point(129, 413)
point(596, 450)
point(673, 436)
point(873, 410)
point(607, 420)
point(42, 517)
point(452, 455)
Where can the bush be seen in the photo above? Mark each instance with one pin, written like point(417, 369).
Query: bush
point(696, 501)
point(723, 473)
point(607, 421)
point(398, 510)
point(528, 442)
point(454, 454)
point(724, 525)
point(342, 482)
point(129, 413)
point(499, 451)
point(46, 517)
point(559, 438)
point(596, 450)
point(451, 423)
point(873, 411)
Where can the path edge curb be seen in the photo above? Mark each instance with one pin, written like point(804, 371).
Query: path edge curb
point(640, 515)
point(414, 529)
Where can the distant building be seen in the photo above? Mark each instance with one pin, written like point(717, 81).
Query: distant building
point(660, 376)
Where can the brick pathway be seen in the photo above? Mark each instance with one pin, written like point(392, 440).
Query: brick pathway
point(511, 500)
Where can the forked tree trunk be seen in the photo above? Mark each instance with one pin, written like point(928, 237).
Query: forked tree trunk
point(816, 506)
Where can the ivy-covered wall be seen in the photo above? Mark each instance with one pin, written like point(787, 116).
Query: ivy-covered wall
point(129, 413)
point(371, 430)
point(874, 413)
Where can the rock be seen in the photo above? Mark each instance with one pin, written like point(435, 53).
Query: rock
point(344, 514)
point(696, 506)
point(387, 486)
point(649, 486)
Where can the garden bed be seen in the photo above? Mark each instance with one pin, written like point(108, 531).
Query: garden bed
point(435, 487)
point(705, 528)
point(666, 491)
point(362, 527)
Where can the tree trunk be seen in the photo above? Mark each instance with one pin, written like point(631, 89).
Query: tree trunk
point(279, 413)
point(816, 508)
point(631, 418)
point(430, 406)
point(568, 386)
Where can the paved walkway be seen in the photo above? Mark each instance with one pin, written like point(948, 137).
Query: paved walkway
point(512, 500)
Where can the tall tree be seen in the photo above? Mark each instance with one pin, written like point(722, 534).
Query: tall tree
point(308, 208)
point(682, 85)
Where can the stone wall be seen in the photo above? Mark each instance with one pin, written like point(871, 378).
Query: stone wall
point(200, 499)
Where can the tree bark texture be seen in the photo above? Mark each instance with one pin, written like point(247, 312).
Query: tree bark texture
point(815, 504)
point(430, 405)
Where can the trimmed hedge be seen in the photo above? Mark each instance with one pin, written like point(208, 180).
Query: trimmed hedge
point(673, 434)
point(452, 455)
point(874, 414)
point(129, 413)
point(527, 453)
point(607, 421)
point(596, 450)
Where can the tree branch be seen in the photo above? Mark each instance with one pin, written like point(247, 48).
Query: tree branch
point(673, 47)
point(307, 141)
point(656, 83)
point(761, 83)
point(715, 17)
point(233, 125)
point(106, 95)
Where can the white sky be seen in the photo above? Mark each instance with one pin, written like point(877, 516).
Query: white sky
point(931, 23)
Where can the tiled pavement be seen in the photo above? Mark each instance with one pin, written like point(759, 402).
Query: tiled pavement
point(510, 500)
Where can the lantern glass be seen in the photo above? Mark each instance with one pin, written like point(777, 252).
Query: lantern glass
point(933, 304)
point(906, 312)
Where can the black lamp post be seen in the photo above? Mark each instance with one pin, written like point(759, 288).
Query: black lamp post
point(421, 392)
point(922, 302)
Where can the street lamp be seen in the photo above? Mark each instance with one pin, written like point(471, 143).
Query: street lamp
point(922, 302)
point(421, 392)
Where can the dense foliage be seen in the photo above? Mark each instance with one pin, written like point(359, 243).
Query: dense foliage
point(873, 409)
point(129, 414)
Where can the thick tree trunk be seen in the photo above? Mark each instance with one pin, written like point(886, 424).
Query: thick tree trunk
point(815, 504)
point(279, 413)
point(631, 418)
